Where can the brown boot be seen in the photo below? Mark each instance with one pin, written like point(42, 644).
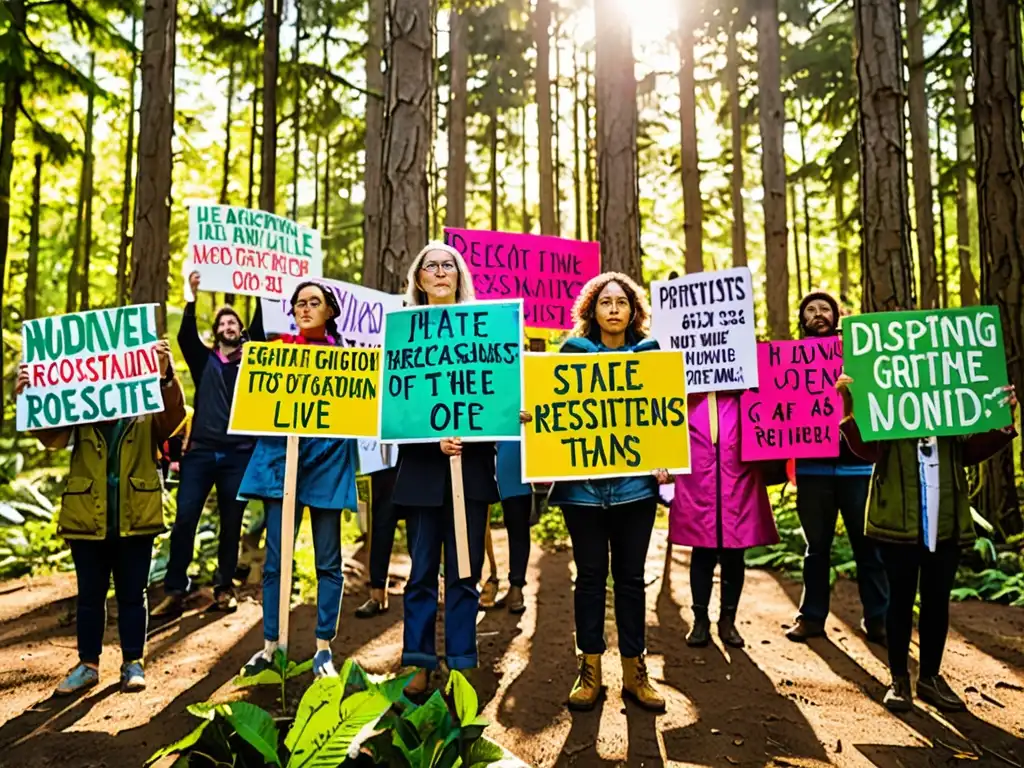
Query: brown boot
point(587, 689)
point(804, 629)
point(636, 685)
point(489, 594)
point(514, 601)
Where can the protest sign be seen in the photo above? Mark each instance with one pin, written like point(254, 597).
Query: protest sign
point(90, 366)
point(306, 390)
point(795, 411)
point(452, 371)
point(926, 373)
point(604, 415)
point(546, 272)
point(710, 316)
point(237, 250)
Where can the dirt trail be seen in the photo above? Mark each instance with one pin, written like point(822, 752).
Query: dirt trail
point(775, 703)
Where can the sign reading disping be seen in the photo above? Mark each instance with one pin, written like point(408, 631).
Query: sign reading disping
point(795, 411)
point(927, 373)
point(546, 272)
point(89, 367)
point(306, 390)
point(452, 371)
point(237, 250)
point(600, 415)
point(710, 316)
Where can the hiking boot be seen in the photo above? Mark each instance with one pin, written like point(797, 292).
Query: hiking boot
point(256, 664)
point(805, 629)
point(133, 677)
point(224, 601)
point(728, 633)
point(489, 594)
point(874, 629)
point(700, 633)
point(898, 698)
point(636, 685)
point(587, 689)
point(936, 691)
point(514, 601)
point(80, 678)
point(323, 664)
point(371, 608)
point(172, 606)
point(418, 685)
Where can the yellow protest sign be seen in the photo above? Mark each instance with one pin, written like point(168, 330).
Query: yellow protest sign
point(605, 415)
point(306, 390)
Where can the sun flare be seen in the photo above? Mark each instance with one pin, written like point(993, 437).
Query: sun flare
point(650, 20)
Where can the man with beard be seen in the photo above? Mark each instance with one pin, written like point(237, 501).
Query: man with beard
point(826, 487)
point(212, 457)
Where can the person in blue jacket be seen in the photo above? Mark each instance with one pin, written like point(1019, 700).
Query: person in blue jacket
point(614, 515)
point(516, 509)
point(326, 484)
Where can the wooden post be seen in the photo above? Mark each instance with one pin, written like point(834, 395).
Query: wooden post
point(459, 511)
point(291, 470)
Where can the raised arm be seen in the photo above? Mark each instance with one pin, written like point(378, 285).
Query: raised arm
point(195, 352)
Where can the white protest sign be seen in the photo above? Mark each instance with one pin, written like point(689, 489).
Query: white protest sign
point(710, 317)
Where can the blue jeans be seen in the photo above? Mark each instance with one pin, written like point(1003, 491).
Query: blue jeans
point(330, 582)
point(819, 501)
point(201, 469)
point(429, 530)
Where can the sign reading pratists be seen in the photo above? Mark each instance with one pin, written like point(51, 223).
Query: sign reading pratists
point(237, 250)
point(605, 415)
point(927, 373)
point(306, 390)
point(361, 322)
point(89, 367)
point(546, 272)
point(796, 409)
point(710, 316)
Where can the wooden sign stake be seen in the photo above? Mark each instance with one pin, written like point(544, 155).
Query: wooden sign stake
point(459, 511)
point(291, 471)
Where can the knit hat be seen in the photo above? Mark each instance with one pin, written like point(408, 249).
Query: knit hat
point(816, 296)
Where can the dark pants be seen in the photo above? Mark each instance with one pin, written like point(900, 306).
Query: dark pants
point(702, 578)
point(383, 524)
point(818, 503)
point(624, 530)
point(128, 558)
point(516, 512)
point(201, 470)
point(907, 564)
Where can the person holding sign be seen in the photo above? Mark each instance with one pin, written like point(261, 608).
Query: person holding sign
point(111, 511)
point(326, 484)
point(610, 515)
point(919, 511)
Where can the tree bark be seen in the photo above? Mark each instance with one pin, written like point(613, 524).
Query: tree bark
point(8, 125)
point(455, 210)
point(492, 175)
point(693, 214)
point(32, 269)
point(796, 240)
point(805, 196)
point(524, 167)
point(271, 63)
point(739, 226)
point(576, 180)
point(940, 194)
point(297, 119)
point(75, 268)
point(924, 216)
point(588, 146)
point(843, 255)
point(254, 129)
point(968, 282)
point(555, 122)
point(90, 166)
point(375, 85)
point(126, 190)
point(226, 167)
point(542, 77)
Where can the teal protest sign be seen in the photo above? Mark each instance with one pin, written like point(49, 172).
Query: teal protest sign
point(452, 371)
point(926, 373)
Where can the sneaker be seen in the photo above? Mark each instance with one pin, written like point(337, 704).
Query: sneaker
point(133, 677)
point(805, 629)
point(489, 594)
point(936, 691)
point(224, 601)
point(172, 606)
point(256, 664)
point(323, 665)
point(898, 698)
point(875, 631)
point(79, 679)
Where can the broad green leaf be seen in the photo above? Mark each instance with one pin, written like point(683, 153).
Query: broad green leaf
point(179, 746)
point(266, 677)
point(204, 710)
point(10, 515)
point(394, 688)
point(466, 702)
point(329, 748)
point(294, 670)
point(429, 717)
point(318, 712)
point(483, 752)
point(255, 726)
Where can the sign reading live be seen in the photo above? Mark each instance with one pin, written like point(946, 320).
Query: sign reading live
point(547, 273)
point(710, 316)
point(795, 411)
point(452, 371)
point(237, 250)
point(306, 390)
point(90, 366)
point(604, 415)
point(927, 373)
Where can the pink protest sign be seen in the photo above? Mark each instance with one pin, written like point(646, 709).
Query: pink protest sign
point(795, 411)
point(546, 272)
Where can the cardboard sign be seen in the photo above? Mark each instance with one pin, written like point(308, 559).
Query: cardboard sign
point(604, 415)
point(452, 371)
point(546, 272)
point(796, 409)
point(253, 253)
point(710, 316)
point(927, 373)
point(90, 366)
point(306, 390)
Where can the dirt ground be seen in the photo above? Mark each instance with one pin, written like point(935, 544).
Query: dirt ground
point(774, 703)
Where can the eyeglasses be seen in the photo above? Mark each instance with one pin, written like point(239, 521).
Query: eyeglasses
point(312, 304)
point(433, 267)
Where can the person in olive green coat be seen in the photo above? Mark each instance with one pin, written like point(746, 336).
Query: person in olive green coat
point(111, 511)
point(910, 476)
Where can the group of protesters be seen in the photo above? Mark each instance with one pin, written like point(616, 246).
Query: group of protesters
point(112, 512)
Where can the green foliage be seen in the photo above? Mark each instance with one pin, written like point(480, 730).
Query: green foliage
point(550, 531)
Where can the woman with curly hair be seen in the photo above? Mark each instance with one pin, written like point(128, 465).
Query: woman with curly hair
point(610, 515)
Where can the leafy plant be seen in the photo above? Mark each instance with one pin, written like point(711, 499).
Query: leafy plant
point(282, 670)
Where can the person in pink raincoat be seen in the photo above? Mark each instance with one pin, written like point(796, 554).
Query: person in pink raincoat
point(720, 509)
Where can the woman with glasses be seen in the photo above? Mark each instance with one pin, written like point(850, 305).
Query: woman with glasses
point(326, 484)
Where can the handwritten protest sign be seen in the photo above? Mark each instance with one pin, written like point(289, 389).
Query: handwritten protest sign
point(546, 272)
point(89, 367)
point(237, 250)
point(452, 371)
point(306, 390)
point(600, 415)
point(926, 373)
point(796, 409)
point(710, 316)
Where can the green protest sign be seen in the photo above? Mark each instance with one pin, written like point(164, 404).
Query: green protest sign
point(452, 371)
point(925, 373)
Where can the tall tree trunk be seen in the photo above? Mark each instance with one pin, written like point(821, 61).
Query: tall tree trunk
point(843, 255)
point(90, 166)
point(555, 122)
point(542, 77)
point(226, 167)
point(375, 85)
point(271, 64)
point(492, 174)
point(404, 198)
point(996, 56)
point(455, 210)
point(576, 180)
point(968, 283)
point(796, 240)
point(924, 216)
point(589, 145)
point(525, 165)
point(126, 190)
point(326, 233)
point(32, 269)
point(254, 129)
point(297, 115)
point(75, 268)
point(773, 167)
point(739, 226)
point(943, 277)
point(617, 182)
point(693, 214)
point(804, 194)
point(8, 125)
